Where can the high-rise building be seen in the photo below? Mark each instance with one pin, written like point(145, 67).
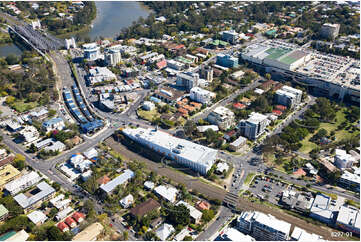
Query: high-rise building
point(206, 72)
point(91, 51)
point(254, 126)
point(188, 80)
point(112, 56)
point(230, 36)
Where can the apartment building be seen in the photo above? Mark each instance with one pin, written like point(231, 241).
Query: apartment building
point(254, 126)
point(221, 116)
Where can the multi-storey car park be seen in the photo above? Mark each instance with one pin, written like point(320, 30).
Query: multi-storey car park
point(325, 74)
point(197, 157)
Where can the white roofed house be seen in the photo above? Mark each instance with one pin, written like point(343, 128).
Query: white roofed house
point(197, 157)
point(29, 133)
point(149, 185)
point(127, 201)
point(194, 213)
point(119, 180)
point(54, 123)
point(221, 167)
point(37, 217)
point(168, 192)
point(164, 231)
point(90, 153)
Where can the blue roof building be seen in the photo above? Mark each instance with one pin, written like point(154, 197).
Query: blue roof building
point(227, 61)
point(90, 127)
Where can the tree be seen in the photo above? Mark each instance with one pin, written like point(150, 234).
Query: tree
point(19, 161)
point(125, 235)
point(189, 127)
point(188, 238)
point(268, 76)
point(178, 214)
point(207, 215)
point(210, 135)
point(12, 59)
point(55, 234)
point(10, 100)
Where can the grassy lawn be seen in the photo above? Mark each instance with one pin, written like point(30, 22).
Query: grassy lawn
point(148, 115)
point(21, 106)
point(307, 145)
point(249, 178)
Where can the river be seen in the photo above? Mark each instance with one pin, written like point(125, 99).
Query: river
point(111, 18)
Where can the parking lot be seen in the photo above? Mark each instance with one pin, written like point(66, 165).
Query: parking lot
point(268, 187)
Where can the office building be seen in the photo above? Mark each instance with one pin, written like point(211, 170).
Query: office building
point(288, 96)
point(112, 56)
point(350, 181)
point(187, 80)
point(8, 173)
point(22, 183)
point(230, 36)
point(348, 219)
point(321, 209)
point(201, 95)
point(197, 157)
point(330, 31)
point(221, 116)
point(238, 143)
point(33, 199)
point(227, 61)
point(343, 160)
point(91, 51)
point(254, 126)
point(263, 226)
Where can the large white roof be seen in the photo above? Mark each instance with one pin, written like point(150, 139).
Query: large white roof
point(301, 235)
point(119, 180)
point(167, 192)
point(349, 216)
point(272, 222)
point(37, 216)
point(179, 147)
point(30, 178)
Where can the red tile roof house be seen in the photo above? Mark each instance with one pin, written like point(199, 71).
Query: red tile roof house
point(277, 112)
point(281, 107)
point(300, 172)
point(79, 217)
point(161, 64)
point(203, 205)
point(63, 227)
point(239, 105)
point(70, 222)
